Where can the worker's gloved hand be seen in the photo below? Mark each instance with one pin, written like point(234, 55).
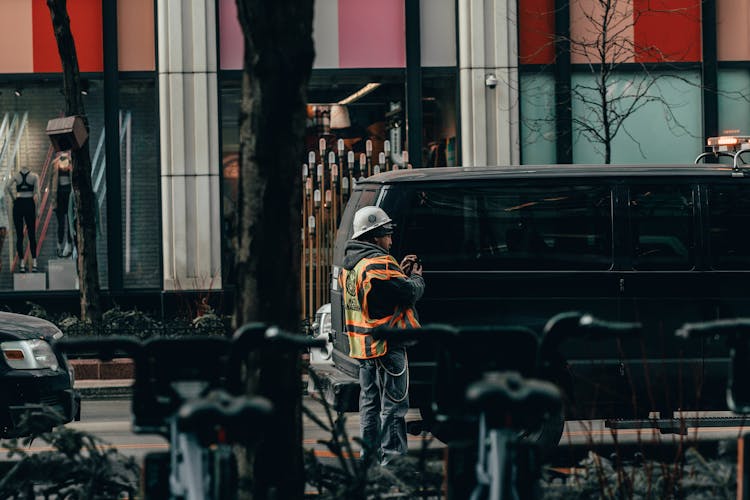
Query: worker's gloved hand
point(416, 269)
point(408, 263)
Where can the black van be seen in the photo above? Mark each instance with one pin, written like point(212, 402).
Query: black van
point(658, 244)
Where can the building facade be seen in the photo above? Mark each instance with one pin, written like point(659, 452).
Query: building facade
point(448, 82)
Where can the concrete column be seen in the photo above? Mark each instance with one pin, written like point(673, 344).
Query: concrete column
point(189, 135)
point(487, 34)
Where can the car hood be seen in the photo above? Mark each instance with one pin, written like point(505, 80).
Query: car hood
point(21, 327)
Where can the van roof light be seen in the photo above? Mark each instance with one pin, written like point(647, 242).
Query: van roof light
point(729, 142)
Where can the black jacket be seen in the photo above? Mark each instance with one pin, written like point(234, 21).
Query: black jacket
point(384, 295)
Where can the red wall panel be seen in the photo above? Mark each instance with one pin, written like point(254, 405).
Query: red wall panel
point(536, 29)
point(667, 30)
point(86, 25)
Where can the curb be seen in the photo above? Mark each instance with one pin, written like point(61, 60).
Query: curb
point(104, 389)
point(91, 389)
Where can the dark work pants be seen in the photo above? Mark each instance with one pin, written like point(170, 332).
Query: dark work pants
point(24, 212)
point(383, 403)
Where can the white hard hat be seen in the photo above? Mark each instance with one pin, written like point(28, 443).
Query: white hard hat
point(368, 218)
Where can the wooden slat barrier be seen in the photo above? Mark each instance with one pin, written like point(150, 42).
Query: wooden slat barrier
point(328, 178)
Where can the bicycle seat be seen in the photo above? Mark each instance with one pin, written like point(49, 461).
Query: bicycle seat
point(225, 418)
point(508, 400)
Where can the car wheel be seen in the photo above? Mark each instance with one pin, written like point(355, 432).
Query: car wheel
point(547, 436)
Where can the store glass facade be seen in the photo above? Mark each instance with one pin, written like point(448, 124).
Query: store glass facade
point(31, 94)
point(664, 127)
point(665, 55)
point(25, 109)
point(140, 184)
point(357, 104)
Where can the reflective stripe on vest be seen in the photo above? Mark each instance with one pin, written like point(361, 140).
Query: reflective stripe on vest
point(356, 285)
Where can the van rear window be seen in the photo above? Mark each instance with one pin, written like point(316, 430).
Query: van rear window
point(510, 227)
point(729, 227)
point(661, 222)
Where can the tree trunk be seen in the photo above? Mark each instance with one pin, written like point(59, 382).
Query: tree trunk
point(88, 268)
point(277, 65)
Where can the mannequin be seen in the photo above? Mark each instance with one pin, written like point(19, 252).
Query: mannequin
point(63, 170)
point(24, 212)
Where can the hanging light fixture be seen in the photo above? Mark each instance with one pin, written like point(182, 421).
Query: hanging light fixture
point(340, 117)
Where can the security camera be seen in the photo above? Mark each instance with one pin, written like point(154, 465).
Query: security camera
point(491, 81)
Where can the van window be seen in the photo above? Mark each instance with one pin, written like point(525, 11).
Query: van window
point(661, 223)
point(729, 227)
point(510, 227)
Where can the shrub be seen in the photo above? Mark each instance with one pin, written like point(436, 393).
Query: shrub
point(78, 465)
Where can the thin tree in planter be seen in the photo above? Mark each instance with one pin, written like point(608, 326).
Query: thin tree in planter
point(88, 267)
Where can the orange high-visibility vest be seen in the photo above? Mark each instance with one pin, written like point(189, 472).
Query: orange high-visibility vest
point(356, 285)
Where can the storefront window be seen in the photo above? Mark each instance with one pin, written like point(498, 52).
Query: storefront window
point(358, 109)
point(538, 137)
point(360, 118)
point(439, 117)
point(362, 114)
point(734, 108)
point(140, 185)
point(230, 147)
point(664, 128)
point(25, 109)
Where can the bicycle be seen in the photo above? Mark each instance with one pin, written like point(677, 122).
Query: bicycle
point(467, 356)
point(737, 333)
point(190, 390)
point(464, 359)
point(507, 467)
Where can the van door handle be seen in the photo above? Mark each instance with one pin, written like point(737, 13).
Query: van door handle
point(622, 285)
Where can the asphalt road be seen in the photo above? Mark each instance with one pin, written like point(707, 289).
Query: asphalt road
point(110, 420)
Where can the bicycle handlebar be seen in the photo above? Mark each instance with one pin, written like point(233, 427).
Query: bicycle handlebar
point(739, 327)
point(257, 335)
point(163, 363)
point(433, 332)
point(593, 327)
point(247, 337)
point(577, 325)
point(104, 348)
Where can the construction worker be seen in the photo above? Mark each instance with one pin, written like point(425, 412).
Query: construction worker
point(379, 292)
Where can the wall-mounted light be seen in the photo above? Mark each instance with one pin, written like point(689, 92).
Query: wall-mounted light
point(18, 92)
point(84, 87)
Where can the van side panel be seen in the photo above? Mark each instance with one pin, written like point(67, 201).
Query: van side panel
point(662, 250)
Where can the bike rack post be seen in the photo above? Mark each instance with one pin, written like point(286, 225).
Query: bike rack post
point(460, 469)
